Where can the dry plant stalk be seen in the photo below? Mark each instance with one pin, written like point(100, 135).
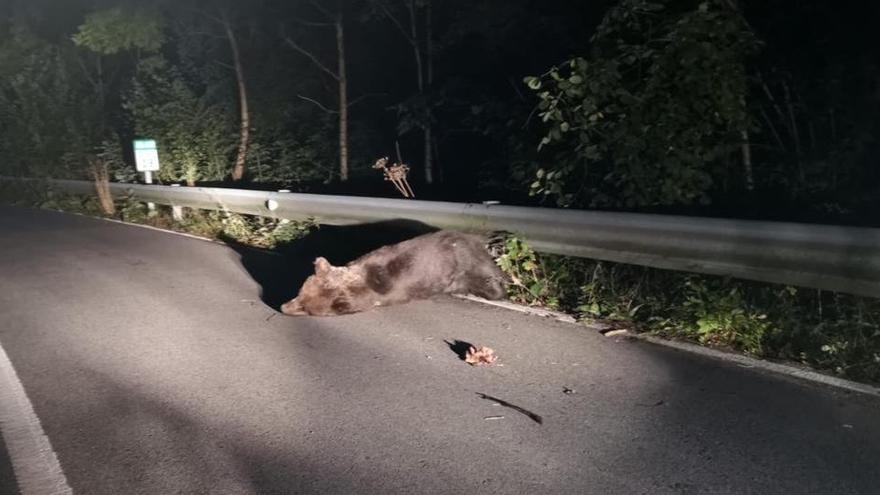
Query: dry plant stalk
point(396, 173)
point(99, 171)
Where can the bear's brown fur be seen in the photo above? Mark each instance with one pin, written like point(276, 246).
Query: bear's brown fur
point(443, 262)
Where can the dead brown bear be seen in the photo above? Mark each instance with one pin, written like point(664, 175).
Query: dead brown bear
point(443, 262)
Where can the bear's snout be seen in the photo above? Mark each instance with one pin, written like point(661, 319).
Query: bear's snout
point(293, 308)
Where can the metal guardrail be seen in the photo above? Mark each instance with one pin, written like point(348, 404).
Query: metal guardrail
point(842, 259)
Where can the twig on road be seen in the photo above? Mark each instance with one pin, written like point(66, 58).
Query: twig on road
point(534, 417)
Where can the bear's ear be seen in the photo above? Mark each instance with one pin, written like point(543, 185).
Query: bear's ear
point(322, 266)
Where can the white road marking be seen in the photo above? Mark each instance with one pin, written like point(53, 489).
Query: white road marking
point(750, 362)
point(34, 462)
point(740, 359)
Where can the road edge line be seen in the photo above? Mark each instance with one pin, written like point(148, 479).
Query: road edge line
point(169, 231)
point(761, 364)
point(36, 467)
point(545, 313)
point(145, 226)
point(729, 357)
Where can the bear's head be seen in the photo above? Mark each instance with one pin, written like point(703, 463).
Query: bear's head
point(332, 290)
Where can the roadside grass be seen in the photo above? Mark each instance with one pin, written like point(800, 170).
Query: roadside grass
point(833, 332)
point(247, 229)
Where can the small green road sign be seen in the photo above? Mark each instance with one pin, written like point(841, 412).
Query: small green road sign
point(146, 155)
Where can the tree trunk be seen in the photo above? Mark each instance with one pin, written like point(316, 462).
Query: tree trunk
point(430, 143)
point(102, 185)
point(429, 45)
point(832, 122)
point(429, 155)
point(239, 167)
point(420, 80)
point(339, 76)
point(100, 84)
point(415, 46)
point(343, 99)
point(796, 137)
point(747, 161)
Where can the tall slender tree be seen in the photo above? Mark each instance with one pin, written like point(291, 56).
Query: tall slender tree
point(336, 21)
point(409, 29)
point(238, 169)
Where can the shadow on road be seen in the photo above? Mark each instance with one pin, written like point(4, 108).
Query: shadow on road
point(282, 271)
point(211, 454)
point(8, 483)
point(459, 347)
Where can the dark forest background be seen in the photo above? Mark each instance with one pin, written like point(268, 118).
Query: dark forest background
point(755, 109)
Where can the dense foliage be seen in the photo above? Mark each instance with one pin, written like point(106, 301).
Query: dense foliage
point(834, 332)
point(752, 108)
point(655, 114)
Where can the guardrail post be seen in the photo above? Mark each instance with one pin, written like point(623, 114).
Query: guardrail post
point(176, 211)
point(148, 178)
point(271, 204)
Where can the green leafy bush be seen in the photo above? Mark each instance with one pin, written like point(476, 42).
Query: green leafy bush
point(262, 231)
point(835, 332)
point(131, 210)
point(530, 283)
point(715, 311)
point(194, 143)
point(651, 117)
point(114, 30)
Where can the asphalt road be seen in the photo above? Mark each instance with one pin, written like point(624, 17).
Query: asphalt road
point(155, 367)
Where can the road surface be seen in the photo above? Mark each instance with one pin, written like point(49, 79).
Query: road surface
point(155, 366)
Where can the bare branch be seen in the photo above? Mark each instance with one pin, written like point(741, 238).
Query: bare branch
point(411, 6)
point(86, 71)
point(320, 8)
point(363, 97)
point(219, 20)
point(771, 98)
point(207, 34)
point(311, 57)
point(773, 130)
point(318, 104)
point(396, 22)
point(529, 118)
point(305, 22)
point(516, 89)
